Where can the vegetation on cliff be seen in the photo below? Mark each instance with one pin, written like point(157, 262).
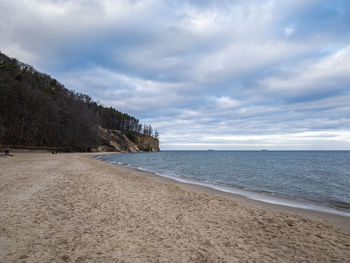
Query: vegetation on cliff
point(38, 111)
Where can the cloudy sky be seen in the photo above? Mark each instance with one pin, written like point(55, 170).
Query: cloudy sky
point(218, 74)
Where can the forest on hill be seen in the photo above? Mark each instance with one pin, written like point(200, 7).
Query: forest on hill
point(38, 111)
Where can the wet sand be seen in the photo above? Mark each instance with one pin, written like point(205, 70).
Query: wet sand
point(72, 208)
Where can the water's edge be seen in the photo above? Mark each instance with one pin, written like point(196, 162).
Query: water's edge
point(250, 194)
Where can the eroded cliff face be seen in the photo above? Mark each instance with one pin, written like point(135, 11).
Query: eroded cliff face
point(119, 141)
point(107, 141)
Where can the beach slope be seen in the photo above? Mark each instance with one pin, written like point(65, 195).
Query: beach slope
point(73, 208)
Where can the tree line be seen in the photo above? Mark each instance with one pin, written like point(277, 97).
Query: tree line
point(37, 110)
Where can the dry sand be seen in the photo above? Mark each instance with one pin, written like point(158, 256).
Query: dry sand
point(72, 208)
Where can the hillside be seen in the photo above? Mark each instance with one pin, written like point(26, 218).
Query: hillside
point(38, 112)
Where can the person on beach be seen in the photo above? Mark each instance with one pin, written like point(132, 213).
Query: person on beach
point(7, 152)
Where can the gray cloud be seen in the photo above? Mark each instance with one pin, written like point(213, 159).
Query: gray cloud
point(231, 74)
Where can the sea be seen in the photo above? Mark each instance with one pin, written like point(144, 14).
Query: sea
point(313, 180)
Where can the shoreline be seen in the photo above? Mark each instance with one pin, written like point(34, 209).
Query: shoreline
point(71, 207)
point(340, 220)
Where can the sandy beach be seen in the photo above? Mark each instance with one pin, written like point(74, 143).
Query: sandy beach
point(73, 208)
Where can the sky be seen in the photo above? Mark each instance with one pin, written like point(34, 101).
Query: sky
point(224, 75)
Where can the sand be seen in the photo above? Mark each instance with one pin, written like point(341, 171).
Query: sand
point(72, 208)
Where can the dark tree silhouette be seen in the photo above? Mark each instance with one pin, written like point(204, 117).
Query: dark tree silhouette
point(37, 110)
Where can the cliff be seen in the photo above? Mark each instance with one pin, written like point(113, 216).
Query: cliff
point(108, 141)
point(119, 141)
point(38, 112)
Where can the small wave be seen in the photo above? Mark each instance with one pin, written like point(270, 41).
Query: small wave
point(273, 198)
point(143, 169)
point(262, 196)
point(339, 204)
point(258, 194)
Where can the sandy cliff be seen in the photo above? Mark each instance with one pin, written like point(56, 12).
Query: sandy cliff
point(118, 141)
point(107, 141)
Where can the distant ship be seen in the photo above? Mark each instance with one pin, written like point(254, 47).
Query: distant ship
point(263, 150)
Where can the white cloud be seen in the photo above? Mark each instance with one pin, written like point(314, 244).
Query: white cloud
point(307, 140)
point(15, 48)
point(242, 58)
point(331, 72)
point(129, 94)
point(226, 102)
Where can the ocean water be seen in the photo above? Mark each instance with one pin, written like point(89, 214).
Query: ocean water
point(316, 180)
